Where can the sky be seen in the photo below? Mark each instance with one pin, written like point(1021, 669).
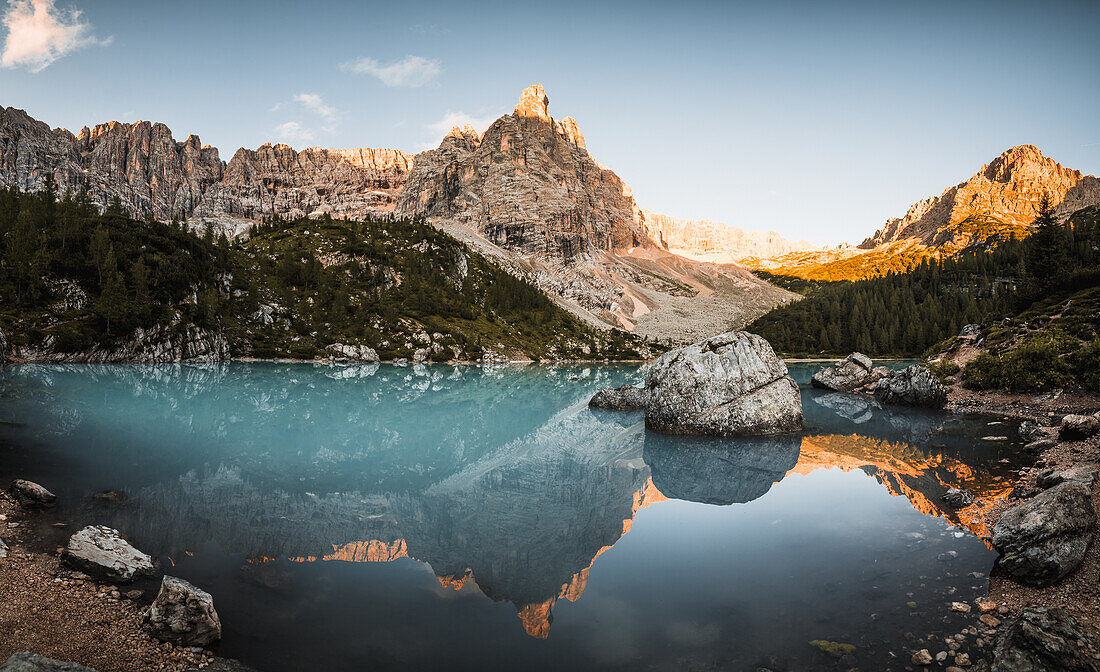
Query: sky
point(814, 119)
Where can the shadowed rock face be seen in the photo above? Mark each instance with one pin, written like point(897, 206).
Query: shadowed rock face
point(528, 185)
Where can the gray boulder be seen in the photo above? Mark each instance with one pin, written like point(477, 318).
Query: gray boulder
point(3, 549)
point(1048, 478)
point(1043, 640)
point(101, 551)
point(1075, 427)
point(183, 615)
point(850, 373)
point(32, 495)
point(912, 386)
point(355, 354)
point(30, 662)
point(624, 398)
point(728, 385)
point(958, 499)
point(1045, 538)
point(971, 330)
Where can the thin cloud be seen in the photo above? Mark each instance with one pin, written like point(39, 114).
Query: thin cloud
point(38, 33)
point(409, 71)
point(460, 119)
point(293, 133)
point(316, 104)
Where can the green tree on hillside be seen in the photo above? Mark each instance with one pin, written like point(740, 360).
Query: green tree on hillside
point(1047, 258)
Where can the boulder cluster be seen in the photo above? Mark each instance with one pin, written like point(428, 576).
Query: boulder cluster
point(181, 614)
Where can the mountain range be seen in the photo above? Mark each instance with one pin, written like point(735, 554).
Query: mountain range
point(528, 194)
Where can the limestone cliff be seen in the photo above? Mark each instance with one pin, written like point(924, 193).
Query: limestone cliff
point(150, 172)
point(528, 185)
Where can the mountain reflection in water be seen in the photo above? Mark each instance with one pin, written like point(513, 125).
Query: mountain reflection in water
point(499, 479)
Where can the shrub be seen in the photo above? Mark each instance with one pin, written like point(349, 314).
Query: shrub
point(1034, 366)
point(1086, 364)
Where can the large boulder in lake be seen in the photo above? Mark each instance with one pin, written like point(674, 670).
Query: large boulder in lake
point(1043, 640)
point(101, 551)
point(183, 615)
point(31, 662)
point(1045, 538)
point(912, 386)
point(728, 385)
point(850, 373)
point(624, 398)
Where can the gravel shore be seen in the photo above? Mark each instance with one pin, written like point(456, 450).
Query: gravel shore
point(48, 609)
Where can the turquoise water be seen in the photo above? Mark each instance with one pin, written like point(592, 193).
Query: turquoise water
point(383, 517)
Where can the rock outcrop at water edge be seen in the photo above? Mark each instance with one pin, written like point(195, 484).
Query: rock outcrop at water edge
point(1043, 640)
point(101, 551)
point(912, 386)
point(1074, 427)
point(732, 384)
point(183, 614)
point(850, 373)
point(174, 342)
point(1045, 538)
point(31, 495)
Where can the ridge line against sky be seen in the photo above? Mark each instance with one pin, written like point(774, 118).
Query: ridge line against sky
point(815, 120)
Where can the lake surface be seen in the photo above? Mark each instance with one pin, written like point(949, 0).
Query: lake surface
point(458, 518)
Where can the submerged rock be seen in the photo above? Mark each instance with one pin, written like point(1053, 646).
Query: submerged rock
point(101, 551)
point(624, 398)
point(728, 385)
point(958, 499)
point(1045, 538)
point(912, 386)
point(32, 495)
point(854, 371)
point(183, 615)
point(1043, 640)
point(1075, 427)
point(30, 662)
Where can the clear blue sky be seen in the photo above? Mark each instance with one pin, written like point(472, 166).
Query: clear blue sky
point(815, 119)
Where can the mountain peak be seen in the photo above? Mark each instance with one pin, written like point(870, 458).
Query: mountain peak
point(534, 103)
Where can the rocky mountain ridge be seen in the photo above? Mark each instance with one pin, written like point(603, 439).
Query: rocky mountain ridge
point(527, 189)
point(999, 201)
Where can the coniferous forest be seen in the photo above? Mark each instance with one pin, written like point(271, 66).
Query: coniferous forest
point(908, 314)
point(74, 278)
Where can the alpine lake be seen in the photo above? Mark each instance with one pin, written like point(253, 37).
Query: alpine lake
point(465, 518)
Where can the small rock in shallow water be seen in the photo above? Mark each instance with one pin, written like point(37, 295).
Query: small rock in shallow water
point(958, 499)
point(986, 607)
point(922, 657)
point(961, 607)
point(962, 659)
point(990, 620)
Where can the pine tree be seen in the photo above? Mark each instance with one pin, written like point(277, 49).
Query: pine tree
point(1048, 257)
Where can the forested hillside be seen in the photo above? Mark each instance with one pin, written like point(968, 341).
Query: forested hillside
point(905, 314)
point(72, 279)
